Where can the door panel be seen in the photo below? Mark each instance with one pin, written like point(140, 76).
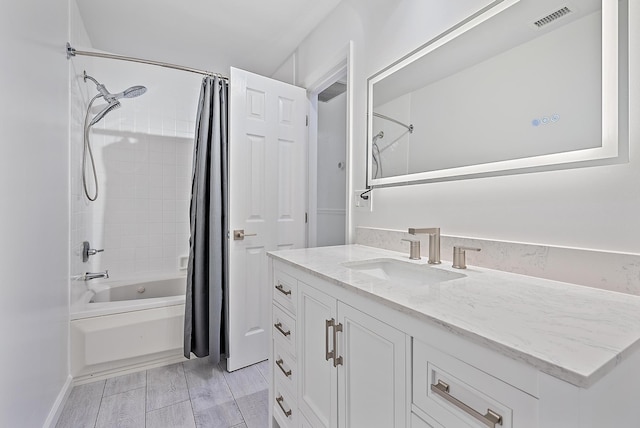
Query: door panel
point(267, 163)
point(371, 382)
point(317, 380)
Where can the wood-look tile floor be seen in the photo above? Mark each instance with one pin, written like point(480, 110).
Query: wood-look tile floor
point(192, 394)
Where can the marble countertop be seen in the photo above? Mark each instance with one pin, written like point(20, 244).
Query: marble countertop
point(574, 333)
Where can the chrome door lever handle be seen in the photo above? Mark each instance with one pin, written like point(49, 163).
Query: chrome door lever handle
point(238, 235)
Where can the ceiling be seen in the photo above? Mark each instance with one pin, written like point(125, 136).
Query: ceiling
point(254, 35)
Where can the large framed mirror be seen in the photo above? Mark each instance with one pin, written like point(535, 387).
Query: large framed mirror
point(520, 86)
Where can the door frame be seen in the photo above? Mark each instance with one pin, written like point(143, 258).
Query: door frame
point(339, 67)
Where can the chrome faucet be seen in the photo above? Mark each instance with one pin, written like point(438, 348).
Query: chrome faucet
point(434, 242)
point(88, 276)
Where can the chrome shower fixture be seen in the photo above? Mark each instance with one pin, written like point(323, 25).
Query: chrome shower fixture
point(112, 103)
point(112, 99)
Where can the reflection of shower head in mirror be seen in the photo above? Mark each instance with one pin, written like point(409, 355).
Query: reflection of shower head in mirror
point(375, 153)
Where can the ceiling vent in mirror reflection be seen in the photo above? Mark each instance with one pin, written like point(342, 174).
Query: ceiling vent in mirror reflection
point(552, 17)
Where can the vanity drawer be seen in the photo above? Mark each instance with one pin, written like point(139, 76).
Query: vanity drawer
point(419, 422)
point(284, 407)
point(285, 291)
point(456, 394)
point(284, 367)
point(284, 330)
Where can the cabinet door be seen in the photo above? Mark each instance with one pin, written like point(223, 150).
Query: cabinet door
point(317, 378)
point(372, 379)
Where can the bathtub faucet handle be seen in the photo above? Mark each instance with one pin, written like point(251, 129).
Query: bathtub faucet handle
point(88, 251)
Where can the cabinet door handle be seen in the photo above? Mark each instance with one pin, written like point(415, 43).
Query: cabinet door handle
point(490, 419)
point(279, 400)
point(279, 363)
point(336, 359)
point(281, 289)
point(278, 326)
point(328, 324)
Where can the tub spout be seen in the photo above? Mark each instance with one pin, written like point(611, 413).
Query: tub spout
point(95, 275)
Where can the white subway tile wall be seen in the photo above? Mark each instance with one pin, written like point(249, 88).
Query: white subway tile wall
point(143, 152)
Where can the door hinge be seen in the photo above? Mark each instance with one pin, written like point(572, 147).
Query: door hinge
point(306, 217)
point(307, 120)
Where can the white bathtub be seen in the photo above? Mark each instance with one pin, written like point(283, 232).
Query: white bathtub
point(118, 326)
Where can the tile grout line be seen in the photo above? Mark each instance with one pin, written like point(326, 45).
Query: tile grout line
point(146, 389)
point(186, 383)
point(104, 387)
point(189, 392)
point(235, 400)
point(146, 382)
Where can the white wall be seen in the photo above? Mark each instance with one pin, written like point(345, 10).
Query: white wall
point(143, 152)
point(594, 207)
point(34, 217)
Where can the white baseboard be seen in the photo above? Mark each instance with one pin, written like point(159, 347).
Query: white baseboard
point(56, 410)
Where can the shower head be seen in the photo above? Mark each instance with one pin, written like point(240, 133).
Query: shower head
point(132, 92)
point(112, 99)
point(113, 104)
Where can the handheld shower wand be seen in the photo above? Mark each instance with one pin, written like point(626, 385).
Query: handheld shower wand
point(112, 104)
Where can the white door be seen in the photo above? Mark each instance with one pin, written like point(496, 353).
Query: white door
point(267, 179)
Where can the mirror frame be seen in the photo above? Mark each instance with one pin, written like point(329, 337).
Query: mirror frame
point(615, 105)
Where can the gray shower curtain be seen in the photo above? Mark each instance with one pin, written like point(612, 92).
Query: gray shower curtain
point(204, 326)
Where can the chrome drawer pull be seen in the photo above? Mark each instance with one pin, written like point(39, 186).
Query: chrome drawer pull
point(278, 326)
point(279, 400)
point(491, 419)
point(281, 289)
point(337, 360)
point(279, 363)
point(328, 324)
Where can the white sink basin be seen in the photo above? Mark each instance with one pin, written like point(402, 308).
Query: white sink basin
point(405, 273)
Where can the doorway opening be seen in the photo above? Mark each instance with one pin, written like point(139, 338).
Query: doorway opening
point(331, 163)
point(329, 157)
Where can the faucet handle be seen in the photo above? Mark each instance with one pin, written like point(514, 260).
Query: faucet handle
point(88, 251)
point(414, 249)
point(459, 258)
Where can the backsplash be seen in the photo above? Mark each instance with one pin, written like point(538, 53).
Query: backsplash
point(599, 269)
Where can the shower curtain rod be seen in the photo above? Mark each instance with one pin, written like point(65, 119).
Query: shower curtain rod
point(73, 52)
point(382, 116)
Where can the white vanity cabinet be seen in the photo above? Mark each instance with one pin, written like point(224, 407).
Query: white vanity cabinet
point(350, 367)
point(345, 355)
